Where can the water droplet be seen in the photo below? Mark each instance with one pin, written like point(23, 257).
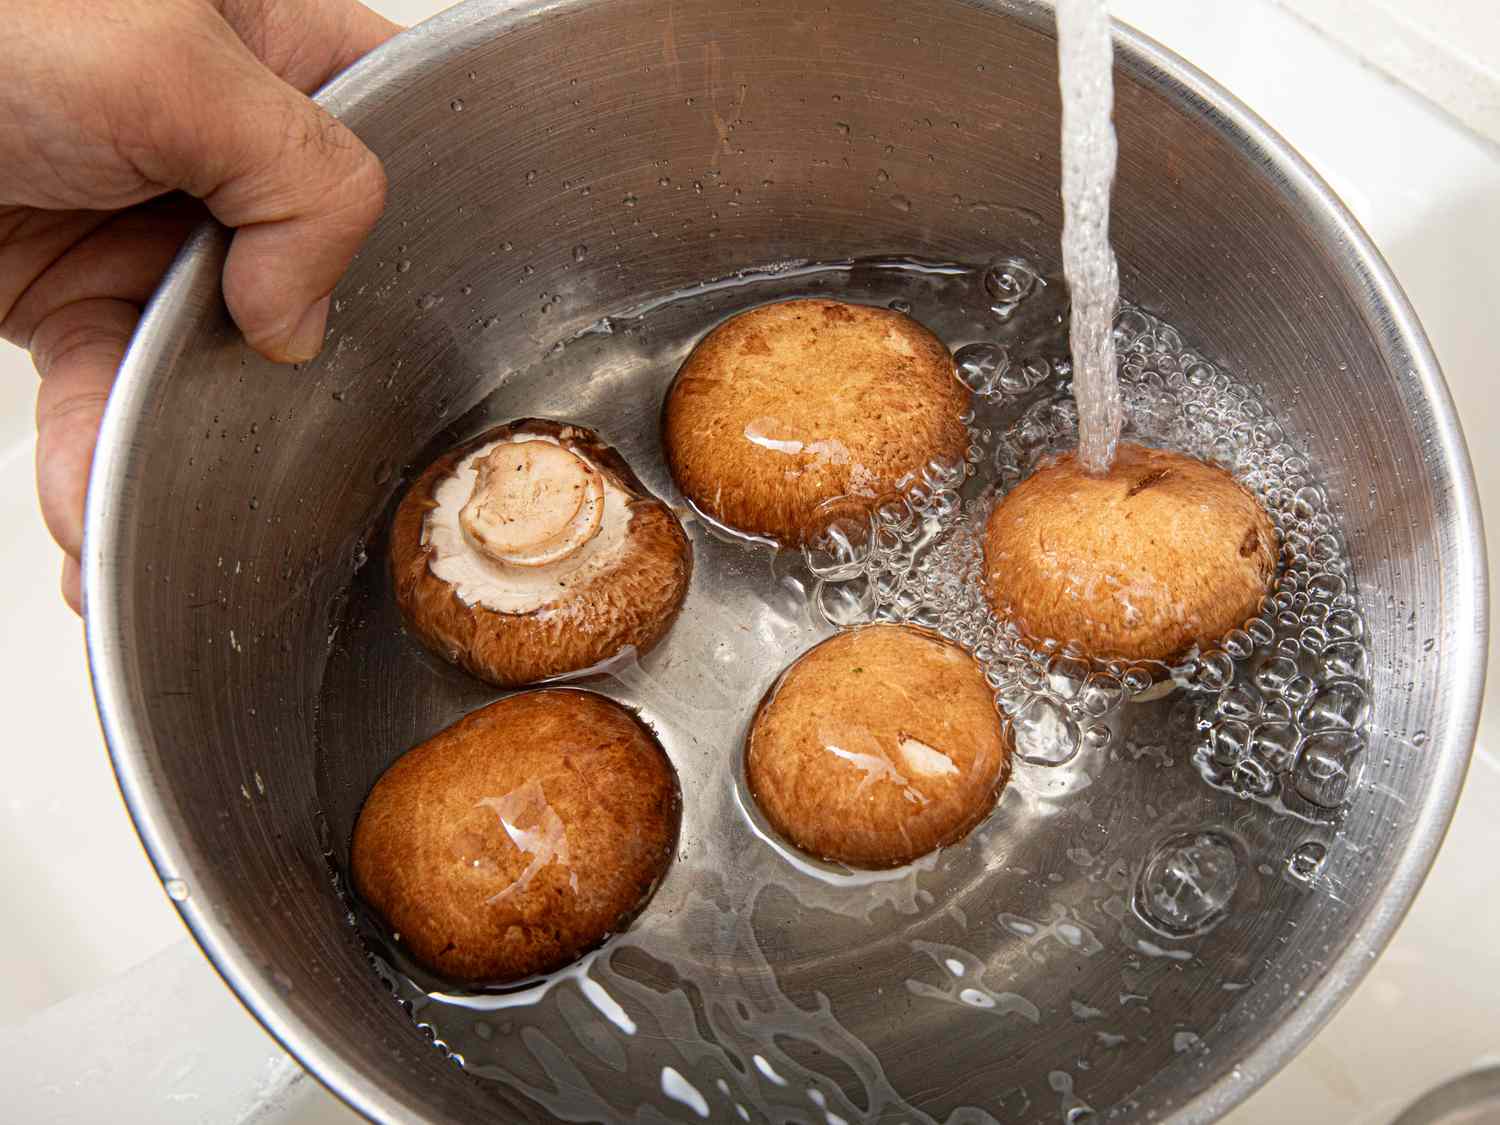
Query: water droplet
point(177, 890)
point(1187, 884)
point(580, 252)
point(456, 105)
point(1185, 1041)
point(1306, 861)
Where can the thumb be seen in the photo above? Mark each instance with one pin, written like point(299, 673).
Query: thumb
point(302, 189)
point(303, 202)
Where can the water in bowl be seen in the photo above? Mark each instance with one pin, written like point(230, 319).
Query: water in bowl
point(1137, 858)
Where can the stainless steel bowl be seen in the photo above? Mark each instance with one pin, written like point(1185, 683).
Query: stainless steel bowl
point(539, 148)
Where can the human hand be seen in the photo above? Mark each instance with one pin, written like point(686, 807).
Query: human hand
point(124, 122)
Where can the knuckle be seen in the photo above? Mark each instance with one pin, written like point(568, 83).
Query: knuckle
point(77, 342)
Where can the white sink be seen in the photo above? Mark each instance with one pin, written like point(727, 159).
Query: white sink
point(109, 1012)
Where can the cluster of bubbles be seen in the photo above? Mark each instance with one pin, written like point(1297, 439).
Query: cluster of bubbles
point(1275, 712)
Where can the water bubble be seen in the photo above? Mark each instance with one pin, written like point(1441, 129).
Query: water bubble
point(1275, 744)
point(1344, 624)
point(1346, 658)
point(898, 515)
point(1009, 282)
point(1327, 768)
point(847, 601)
point(1238, 644)
point(1215, 671)
point(1044, 734)
point(1341, 704)
point(1253, 778)
point(1188, 883)
point(1239, 701)
point(1229, 741)
point(980, 366)
point(1275, 674)
point(841, 549)
point(1312, 639)
point(943, 504)
point(1132, 330)
point(1066, 675)
point(1100, 695)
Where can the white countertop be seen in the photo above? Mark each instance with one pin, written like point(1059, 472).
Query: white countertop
point(109, 1012)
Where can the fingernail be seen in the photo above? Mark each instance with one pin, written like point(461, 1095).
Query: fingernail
point(307, 340)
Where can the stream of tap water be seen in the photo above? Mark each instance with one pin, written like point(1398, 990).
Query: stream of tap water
point(1085, 57)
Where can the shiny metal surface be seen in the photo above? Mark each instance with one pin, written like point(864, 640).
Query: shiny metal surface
point(232, 500)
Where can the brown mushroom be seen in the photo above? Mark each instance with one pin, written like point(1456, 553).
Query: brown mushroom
point(790, 405)
point(1158, 555)
point(877, 746)
point(532, 551)
point(519, 838)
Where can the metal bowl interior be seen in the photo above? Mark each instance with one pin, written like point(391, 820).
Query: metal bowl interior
point(602, 154)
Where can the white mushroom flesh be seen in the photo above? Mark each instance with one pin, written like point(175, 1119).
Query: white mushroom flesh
point(533, 503)
point(551, 544)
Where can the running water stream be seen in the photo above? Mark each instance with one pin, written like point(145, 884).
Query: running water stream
point(1085, 58)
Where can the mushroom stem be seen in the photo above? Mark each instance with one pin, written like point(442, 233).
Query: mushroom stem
point(534, 503)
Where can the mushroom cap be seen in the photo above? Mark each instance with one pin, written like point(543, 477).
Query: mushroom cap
point(519, 838)
point(792, 404)
point(877, 746)
point(630, 603)
point(1161, 553)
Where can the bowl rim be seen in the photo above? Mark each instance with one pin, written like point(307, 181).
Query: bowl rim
point(191, 284)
